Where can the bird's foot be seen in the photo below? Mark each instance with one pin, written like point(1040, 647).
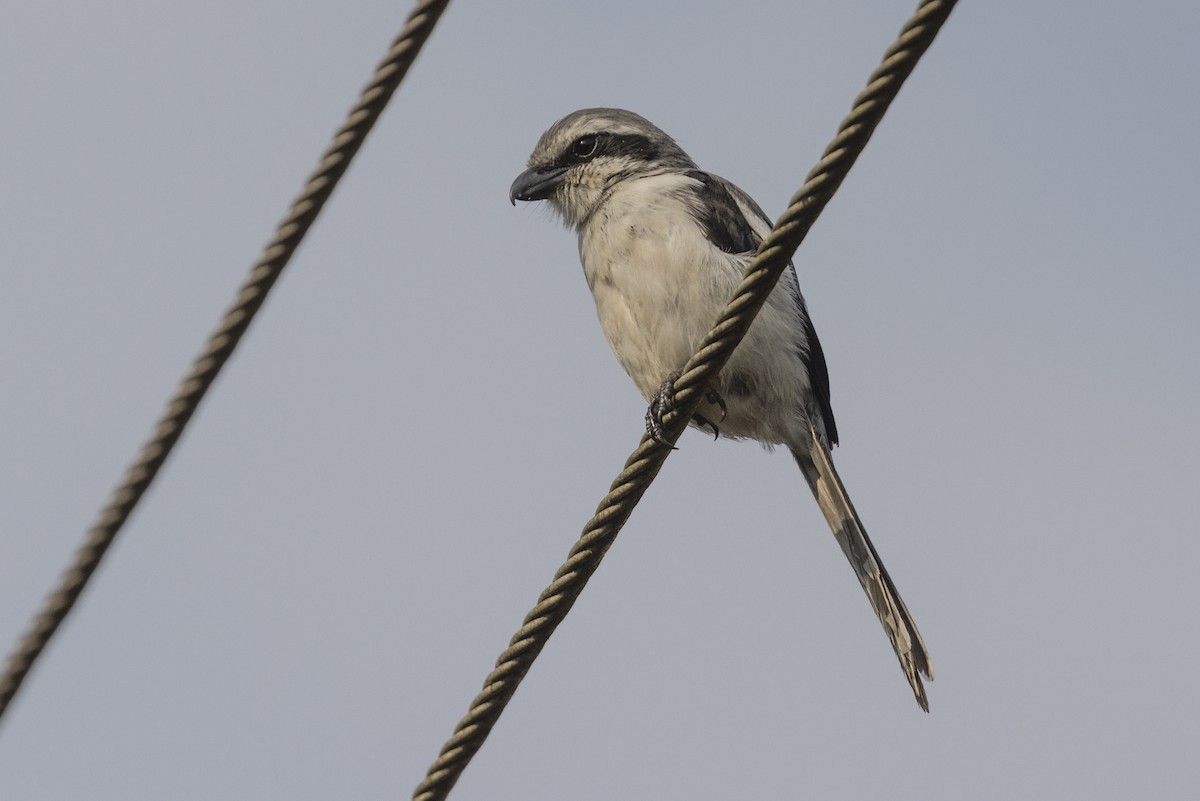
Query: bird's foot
point(713, 398)
point(661, 403)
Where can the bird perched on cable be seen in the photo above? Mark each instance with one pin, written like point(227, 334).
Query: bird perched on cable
point(664, 246)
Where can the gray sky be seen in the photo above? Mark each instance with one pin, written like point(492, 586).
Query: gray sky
point(425, 413)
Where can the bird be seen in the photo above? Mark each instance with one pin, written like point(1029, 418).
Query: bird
point(663, 246)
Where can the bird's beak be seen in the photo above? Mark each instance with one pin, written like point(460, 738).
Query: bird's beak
point(536, 184)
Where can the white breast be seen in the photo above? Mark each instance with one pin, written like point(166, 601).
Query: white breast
point(659, 285)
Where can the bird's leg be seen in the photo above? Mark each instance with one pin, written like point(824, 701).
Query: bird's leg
point(662, 402)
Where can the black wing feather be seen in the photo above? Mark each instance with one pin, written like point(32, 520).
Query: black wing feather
point(719, 215)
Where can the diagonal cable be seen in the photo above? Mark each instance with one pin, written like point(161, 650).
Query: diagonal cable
point(643, 465)
point(221, 344)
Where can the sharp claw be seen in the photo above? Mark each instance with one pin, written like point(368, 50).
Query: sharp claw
point(654, 426)
point(660, 404)
point(702, 422)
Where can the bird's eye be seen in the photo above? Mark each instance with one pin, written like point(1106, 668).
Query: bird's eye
point(584, 147)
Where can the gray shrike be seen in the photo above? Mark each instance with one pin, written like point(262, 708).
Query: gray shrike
point(664, 245)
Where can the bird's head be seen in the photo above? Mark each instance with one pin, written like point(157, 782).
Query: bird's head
point(580, 160)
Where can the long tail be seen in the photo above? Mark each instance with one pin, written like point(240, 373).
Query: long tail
point(831, 496)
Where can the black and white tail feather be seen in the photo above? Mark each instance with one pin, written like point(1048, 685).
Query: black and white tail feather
point(664, 245)
point(835, 504)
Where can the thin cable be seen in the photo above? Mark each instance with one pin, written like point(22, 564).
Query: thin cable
point(220, 345)
point(645, 462)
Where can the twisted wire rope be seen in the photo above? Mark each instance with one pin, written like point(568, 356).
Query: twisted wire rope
point(221, 344)
point(643, 465)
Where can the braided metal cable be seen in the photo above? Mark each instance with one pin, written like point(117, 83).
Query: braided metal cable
point(643, 465)
point(221, 344)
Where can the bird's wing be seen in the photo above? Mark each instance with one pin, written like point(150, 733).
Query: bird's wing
point(730, 219)
point(733, 222)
